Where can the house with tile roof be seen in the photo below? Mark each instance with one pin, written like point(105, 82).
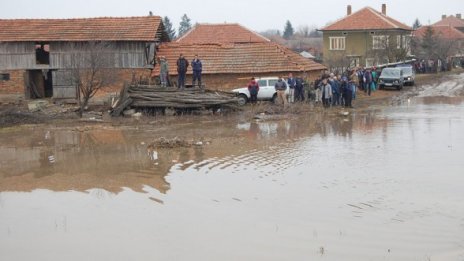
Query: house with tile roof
point(231, 54)
point(450, 35)
point(36, 54)
point(365, 38)
point(451, 21)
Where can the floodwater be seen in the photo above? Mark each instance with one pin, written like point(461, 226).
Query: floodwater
point(380, 184)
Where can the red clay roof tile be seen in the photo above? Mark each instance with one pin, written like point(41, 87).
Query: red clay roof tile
point(80, 29)
point(221, 33)
point(445, 32)
point(366, 19)
point(450, 21)
point(238, 58)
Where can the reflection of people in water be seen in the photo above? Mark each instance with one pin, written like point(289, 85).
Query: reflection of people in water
point(198, 153)
point(254, 130)
point(46, 161)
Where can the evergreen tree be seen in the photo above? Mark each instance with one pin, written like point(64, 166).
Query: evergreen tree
point(416, 24)
point(185, 25)
point(288, 31)
point(168, 28)
point(429, 43)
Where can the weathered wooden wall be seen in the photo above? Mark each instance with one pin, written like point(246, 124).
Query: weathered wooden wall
point(21, 55)
point(120, 55)
point(63, 87)
point(17, 55)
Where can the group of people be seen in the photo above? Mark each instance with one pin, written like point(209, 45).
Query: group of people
point(182, 66)
point(340, 90)
point(295, 93)
point(334, 90)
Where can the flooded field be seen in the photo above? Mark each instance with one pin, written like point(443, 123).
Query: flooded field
point(379, 184)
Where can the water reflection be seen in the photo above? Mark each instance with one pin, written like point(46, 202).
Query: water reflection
point(64, 160)
point(367, 186)
point(109, 158)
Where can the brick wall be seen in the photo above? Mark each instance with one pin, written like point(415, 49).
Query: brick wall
point(16, 83)
point(227, 82)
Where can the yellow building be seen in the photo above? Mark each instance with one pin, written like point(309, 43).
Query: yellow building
point(365, 38)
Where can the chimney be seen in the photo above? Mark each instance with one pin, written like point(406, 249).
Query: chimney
point(348, 10)
point(384, 9)
point(458, 16)
point(443, 17)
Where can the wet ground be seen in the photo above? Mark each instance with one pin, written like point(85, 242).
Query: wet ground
point(382, 183)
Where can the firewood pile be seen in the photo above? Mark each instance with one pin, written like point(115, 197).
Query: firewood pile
point(145, 96)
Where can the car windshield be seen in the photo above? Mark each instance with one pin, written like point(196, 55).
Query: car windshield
point(407, 70)
point(262, 83)
point(272, 82)
point(390, 73)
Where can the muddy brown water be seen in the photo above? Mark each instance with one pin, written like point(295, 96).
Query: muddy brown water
point(380, 184)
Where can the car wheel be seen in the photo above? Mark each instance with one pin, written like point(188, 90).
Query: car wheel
point(274, 98)
point(399, 87)
point(242, 99)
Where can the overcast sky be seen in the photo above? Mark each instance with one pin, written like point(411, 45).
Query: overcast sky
point(258, 15)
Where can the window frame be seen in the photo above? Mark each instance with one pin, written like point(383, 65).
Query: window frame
point(377, 40)
point(339, 41)
point(5, 76)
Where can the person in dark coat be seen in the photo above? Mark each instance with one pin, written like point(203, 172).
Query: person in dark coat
point(253, 88)
point(367, 78)
point(182, 65)
point(299, 89)
point(197, 67)
point(347, 92)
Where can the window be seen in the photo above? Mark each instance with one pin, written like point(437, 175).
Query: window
point(402, 41)
point(42, 53)
point(262, 83)
point(379, 42)
point(4, 76)
point(337, 43)
point(354, 62)
point(272, 82)
point(370, 62)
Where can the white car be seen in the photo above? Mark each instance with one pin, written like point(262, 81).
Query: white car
point(266, 92)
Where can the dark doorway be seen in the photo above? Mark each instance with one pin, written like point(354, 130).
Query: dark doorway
point(39, 84)
point(42, 53)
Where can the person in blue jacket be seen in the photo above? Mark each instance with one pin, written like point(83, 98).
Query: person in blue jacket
point(197, 67)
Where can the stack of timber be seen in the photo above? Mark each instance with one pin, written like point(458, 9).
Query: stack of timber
point(146, 96)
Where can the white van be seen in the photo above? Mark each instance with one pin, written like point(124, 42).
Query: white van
point(266, 92)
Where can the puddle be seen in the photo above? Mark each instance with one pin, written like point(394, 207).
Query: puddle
point(384, 184)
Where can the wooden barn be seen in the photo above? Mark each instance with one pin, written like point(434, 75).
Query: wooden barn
point(36, 54)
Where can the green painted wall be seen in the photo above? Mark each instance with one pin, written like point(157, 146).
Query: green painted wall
point(357, 43)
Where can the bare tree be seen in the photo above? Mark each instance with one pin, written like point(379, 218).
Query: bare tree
point(338, 62)
point(390, 48)
point(92, 69)
point(433, 46)
point(304, 30)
